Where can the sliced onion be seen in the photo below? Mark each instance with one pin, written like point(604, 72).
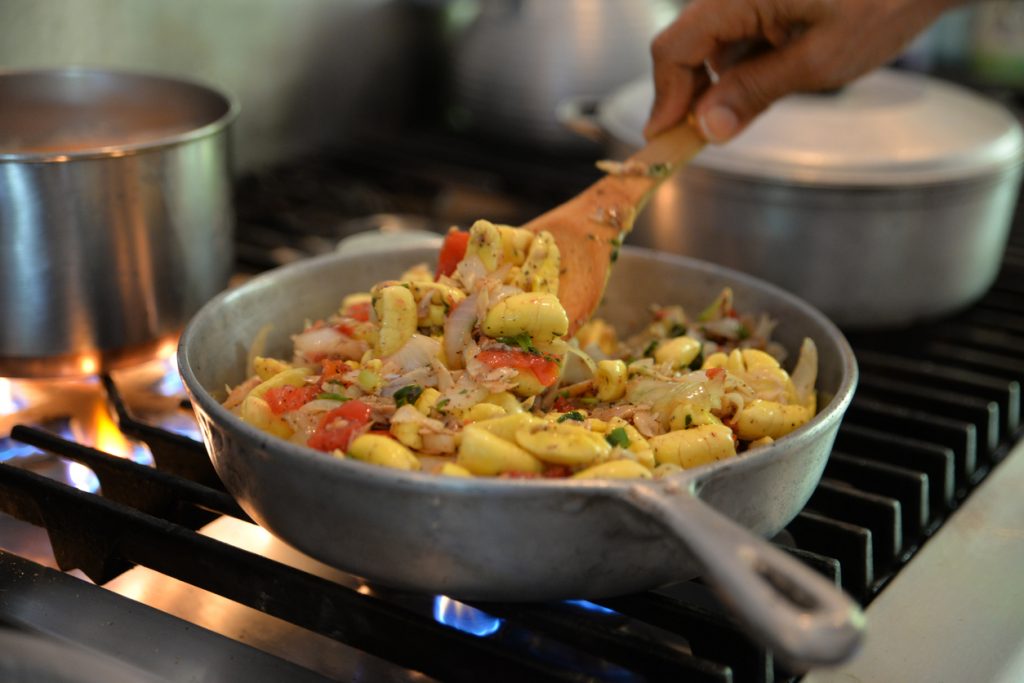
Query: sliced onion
point(306, 419)
point(625, 411)
point(763, 328)
point(805, 374)
point(444, 377)
point(663, 394)
point(408, 413)
point(578, 364)
point(468, 271)
point(727, 328)
point(425, 377)
point(647, 424)
point(465, 393)
point(327, 341)
point(415, 353)
point(238, 394)
point(458, 330)
point(423, 307)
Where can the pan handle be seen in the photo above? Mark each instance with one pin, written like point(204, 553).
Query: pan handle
point(805, 619)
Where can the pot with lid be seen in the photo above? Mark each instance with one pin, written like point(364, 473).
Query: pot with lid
point(884, 203)
point(115, 215)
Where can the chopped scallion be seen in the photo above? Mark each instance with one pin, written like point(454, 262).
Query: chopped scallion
point(617, 437)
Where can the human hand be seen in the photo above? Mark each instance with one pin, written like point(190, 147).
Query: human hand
point(809, 45)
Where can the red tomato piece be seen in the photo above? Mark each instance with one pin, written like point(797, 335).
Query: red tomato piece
point(333, 369)
point(453, 250)
point(287, 398)
point(557, 471)
point(360, 311)
point(519, 475)
point(353, 411)
point(544, 369)
point(337, 427)
point(714, 373)
point(563, 405)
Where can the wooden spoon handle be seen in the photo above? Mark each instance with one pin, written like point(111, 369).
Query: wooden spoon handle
point(674, 147)
point(670, 150)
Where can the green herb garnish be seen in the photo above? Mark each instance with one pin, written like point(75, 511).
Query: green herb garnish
point(744, 332)
point(658, 170)
point(698, 360)
point(571, 415)
point(522, 341)
point(677, 330)
point(649, 351)
point(588, 400)
point(617, 437)
point(408, 395)
point(332, 396)
point(688, 421)
point(441, 404)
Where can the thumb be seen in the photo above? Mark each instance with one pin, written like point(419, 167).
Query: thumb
point(746, 89)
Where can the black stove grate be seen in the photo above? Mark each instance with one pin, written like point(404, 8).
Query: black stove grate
point(936, 409)
point(926, 426)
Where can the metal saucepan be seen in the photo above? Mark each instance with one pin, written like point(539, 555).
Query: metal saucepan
point(882, 204)
point(115, 215)
point(516, 59)
point(496, 539)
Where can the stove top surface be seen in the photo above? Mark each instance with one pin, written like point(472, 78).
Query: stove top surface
point(192, 590)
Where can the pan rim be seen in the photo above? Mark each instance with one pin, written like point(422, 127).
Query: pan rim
point(354, 471)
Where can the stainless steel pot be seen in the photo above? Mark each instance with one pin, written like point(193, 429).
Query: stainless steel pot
point(882, 204)
point(517, 59)
point(495, 539)
point(115, 215)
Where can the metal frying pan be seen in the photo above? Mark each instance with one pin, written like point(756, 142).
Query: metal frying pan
point(496, 539)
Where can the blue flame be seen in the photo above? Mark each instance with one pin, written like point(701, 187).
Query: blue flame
point(183, 424)
point(464, 618)
point(170, 383)
point(81, 477)
point(587, 605)
point(12, 450)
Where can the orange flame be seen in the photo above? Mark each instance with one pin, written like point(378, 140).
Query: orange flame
point(108, 436)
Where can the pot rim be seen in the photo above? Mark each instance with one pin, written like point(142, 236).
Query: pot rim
point(229, 105)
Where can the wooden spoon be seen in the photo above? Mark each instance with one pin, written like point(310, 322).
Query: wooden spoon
point(590, 227)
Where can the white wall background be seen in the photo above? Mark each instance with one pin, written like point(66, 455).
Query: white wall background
point(307, 72)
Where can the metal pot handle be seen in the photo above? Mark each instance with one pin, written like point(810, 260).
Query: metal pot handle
point(579, 114)
point(805, 619)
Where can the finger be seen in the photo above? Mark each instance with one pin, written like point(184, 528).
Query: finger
point(673, 94)
point(679, 53)
point(748, 88)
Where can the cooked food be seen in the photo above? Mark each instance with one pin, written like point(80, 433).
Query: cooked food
point(467, 371)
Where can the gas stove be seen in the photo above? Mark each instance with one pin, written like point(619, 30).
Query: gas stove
point(917, 516)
